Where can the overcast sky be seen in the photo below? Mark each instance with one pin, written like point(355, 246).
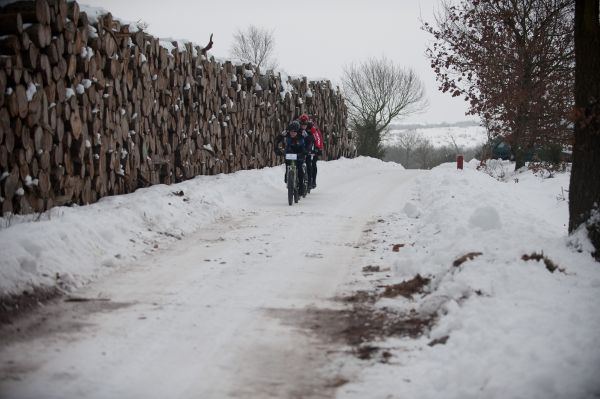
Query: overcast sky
point(315, 38)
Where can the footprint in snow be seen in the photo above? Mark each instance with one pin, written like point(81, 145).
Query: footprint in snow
point(314, 255)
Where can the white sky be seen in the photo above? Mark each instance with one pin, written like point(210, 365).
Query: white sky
point(313, 38)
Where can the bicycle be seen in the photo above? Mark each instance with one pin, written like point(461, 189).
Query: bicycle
point(292, 178)
point(305, 180)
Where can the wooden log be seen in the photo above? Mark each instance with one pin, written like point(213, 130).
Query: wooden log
point(14, 71)
point(4, 123)
point(35, 170)
point(83, 19)
point(61, 91)
point(45, 161)
point(4, 156)
point(86, 192)
point(17, 102)
point(70, 32)
point(40, 35)
point(11, 24)
point(113, 68)
point(110, 44)
point(58, 16)
point(34, 109)
point(26, 203)
point(60, 128)
point(11, 184)
point(7, 207)
point(31, 12)
point(46, 69)
point(71, 66)
point(26, 42)
point(10, 136)
point(38, 137)
point(61, 7)
point(23, 164)
point(79, 42)
point(52, 52)
point(73, 11)
point(60, 71)
point(44, 183)
point(30, 57)
point(10, 44)
point(3, 82)
point(75, 124)
point(59, 41)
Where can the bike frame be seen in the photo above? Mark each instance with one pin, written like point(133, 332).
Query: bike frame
point(292, 177)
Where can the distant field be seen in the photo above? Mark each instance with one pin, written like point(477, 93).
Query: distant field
point(465, 136)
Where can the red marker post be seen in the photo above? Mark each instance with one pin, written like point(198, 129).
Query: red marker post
point(459, 161)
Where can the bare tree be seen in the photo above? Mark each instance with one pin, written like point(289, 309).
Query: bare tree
point(408, 141)
point(377, 92)
point(256, 46)
point(424, 154)
point(584, 190)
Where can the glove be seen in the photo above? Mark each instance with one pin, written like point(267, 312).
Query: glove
point(304, 134)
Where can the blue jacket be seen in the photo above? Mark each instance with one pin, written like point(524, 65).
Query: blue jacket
point(296, 145)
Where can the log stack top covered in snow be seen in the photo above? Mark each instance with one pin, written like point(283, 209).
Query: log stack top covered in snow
point(90, 107)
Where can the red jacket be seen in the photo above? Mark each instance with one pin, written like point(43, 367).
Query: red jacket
point(318, 138)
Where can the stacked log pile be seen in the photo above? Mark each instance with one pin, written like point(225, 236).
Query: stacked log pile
point(96, 108)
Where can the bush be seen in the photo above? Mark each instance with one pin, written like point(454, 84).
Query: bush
point(551, 153)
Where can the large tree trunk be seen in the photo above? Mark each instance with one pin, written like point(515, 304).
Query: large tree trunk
point(584, 192)
point(519, 157)
point(522, 134)
point(518, 143)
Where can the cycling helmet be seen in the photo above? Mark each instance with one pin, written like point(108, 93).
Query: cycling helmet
point(303, 119)
point(294, 127)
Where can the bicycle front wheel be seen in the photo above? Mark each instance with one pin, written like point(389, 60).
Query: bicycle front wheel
point(290, 187)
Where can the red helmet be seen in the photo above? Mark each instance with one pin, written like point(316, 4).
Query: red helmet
point(303, 119)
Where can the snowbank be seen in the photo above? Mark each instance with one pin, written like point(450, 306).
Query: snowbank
point(513, 328)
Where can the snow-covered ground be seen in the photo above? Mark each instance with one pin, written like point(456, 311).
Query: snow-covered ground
point(209, 289)
point(515, 330)
point(463, 136)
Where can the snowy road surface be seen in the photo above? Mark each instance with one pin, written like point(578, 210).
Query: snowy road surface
point(202, 317)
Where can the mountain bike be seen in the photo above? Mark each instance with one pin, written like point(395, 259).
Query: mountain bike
point(292, 178)
point(305, 180)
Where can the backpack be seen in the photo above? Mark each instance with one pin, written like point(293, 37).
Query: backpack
point(318, 138)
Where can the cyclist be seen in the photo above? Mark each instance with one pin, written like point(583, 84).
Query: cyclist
point(310, 143)
point(294, 144)
point(317, 149)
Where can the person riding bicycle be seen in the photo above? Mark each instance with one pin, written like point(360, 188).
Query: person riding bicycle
point(309, 143)
point(280, 142)
point(317, 149)
point(294, 144)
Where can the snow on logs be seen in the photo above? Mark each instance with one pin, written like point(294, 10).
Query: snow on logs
point(91, 107)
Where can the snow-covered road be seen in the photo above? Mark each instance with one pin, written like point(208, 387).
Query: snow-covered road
point(199, 318)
